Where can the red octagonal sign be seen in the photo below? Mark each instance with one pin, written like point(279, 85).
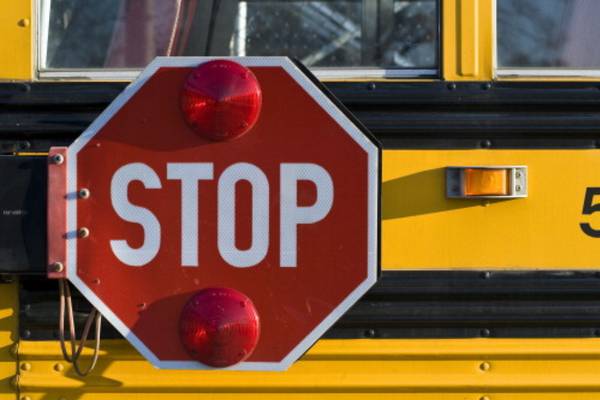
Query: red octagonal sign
point(205, 252)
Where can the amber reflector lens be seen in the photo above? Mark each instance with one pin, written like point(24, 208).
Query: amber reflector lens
point(219, 327)
point(485, 182)
point(221, 100)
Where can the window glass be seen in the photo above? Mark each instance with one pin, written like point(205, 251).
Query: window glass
point(330, 33)
point(548, 33)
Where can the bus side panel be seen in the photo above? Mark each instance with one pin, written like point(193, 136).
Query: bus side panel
point(475, 369)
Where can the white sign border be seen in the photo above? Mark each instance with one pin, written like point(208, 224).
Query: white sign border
point(373, 208)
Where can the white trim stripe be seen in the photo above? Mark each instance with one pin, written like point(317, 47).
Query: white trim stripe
point(373, 186)
point(548, 72)
point(321, 73)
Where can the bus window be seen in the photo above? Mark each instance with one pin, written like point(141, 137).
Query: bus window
point(369, 37)
point(558, 36)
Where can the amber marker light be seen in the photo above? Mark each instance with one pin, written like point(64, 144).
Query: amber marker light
point(485, 182)
point(501, 182)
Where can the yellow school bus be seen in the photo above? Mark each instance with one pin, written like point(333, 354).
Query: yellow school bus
point(487, 291)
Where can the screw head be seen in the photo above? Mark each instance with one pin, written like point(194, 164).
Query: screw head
point(58, 159)
point(83, 232)
point(57, 266)
point(370, 333)
point(83, 193)
point(518, 188)
point(485, 366)
point(518, 174)
point(58, 367)
point(26, 366)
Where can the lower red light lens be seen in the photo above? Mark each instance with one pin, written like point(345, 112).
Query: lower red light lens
point(219, 327)
point(221, 100)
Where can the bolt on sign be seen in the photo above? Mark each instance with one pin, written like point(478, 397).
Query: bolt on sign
point(220, 213)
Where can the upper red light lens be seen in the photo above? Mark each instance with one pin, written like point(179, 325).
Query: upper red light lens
point(219, 327)
point(221, 100)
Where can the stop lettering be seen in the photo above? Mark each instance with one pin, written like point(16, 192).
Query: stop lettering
point(190, 174)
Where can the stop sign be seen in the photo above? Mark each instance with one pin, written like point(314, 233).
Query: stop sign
point(281, 220)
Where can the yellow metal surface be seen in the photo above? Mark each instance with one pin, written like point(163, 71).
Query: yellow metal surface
point(16, 31)
point(422, 229)
point(468, 40)
point(337, 369)
point(8, 337)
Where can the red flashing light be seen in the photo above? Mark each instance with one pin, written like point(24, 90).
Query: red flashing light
point(219, 327)
point(221, 100)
